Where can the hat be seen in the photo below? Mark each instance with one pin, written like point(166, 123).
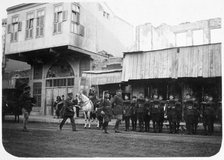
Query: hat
point(105, 92)
point(26, 88)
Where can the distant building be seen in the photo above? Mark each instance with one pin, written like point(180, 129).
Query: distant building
point(149, 37)
point(60, 41)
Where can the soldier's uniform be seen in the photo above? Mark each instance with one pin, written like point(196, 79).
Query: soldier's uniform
point(127, 114)
point(172, 115)
point(106, 112)
point(93, 98)
point(133, 114)
point(179, 113)
point(161, 110)
point(189, 114)
point(208, 116)
point(140, 112)
point(117, 105)
point(147, 116)
point(155, 114)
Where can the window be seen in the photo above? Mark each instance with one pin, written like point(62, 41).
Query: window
point(216, 35)
point(29, 25)
point(14, 28)
point(60, 82)
point(37, 93)
point(84, 65)
point(181, 39)
point(37, 71)
point(59, 17)
point(40, 23)
point(197, 37)
point(76, 27)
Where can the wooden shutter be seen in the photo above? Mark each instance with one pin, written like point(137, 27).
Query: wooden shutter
point(41, 21)
point(55, 17)
point(9, 28)
point(38, 21)
point(11, 37)
point(81, 30)
point(55, 28)
point(37, 31)
point(64, 15)
point(20, 26)
point(31, 33)
point(16, 36)
point(59, 27)
point(41, 31)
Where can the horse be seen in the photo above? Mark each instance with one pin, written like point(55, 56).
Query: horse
point(87, 106)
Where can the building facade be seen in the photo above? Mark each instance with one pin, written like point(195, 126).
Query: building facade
point(149, 37)
point(60, 41)
point(179, 70)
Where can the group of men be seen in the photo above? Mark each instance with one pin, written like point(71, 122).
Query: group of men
point(141, 110)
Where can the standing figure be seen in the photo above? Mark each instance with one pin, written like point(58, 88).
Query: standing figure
point(67, 111)
point(93, 98)
point(155, 113)
point(57, 106)
point(208, 112)
point(179, 113)
point(106, 111)
point(77, 107)
point(140, 111)
point(172, 114)
point(161, 110)
point(127, 112)
point(147, 114)
point(117, 105)
point(26, 102)
point(133, 113)
point(189, 115)
point(99, 116)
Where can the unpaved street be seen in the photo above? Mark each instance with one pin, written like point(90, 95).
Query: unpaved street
point(44, 140)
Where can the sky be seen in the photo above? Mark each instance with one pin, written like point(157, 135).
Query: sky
point(156, 12)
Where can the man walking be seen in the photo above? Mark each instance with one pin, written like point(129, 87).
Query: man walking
point(26, 102)
point(68, 112)
point(117, 104)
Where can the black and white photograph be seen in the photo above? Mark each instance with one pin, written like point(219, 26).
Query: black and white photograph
point(111, 79)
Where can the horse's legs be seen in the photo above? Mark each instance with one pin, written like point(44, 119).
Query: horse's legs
point(85, 116)
point(89, 121)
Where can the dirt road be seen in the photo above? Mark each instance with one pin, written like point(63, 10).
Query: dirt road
point(44, 140)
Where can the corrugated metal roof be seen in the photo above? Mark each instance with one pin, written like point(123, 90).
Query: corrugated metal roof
point(188, 61)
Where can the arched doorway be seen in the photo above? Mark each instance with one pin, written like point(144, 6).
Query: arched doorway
point(59, 82)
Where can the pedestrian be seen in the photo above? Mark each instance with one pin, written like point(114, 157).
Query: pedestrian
point(77, 107)
point(106, 111)
point(133, 110)
point(93, 98)
point(140, 111)
point(57, 106)
point(26, 102)
point(147, 115)
point(67, 111)
point(127, 112)
point(117, 105)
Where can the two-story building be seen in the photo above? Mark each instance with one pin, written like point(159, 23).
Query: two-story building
point(60, 41)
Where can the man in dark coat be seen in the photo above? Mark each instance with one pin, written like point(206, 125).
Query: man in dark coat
point(133, 109)
point(179, 112)
point(162, 104)
point(117, 105)
point(147, 115)
point(127, 112)
point(140, 111)
point(26, 102)
point(172, 114)
point(67, 111)
point(208, 112)
point(106, 110)
point(155, 113)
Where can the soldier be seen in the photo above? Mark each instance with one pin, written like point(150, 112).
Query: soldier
point(26, 102)
point(196, 109)
point(134, 113)
point(179, 112)
point(106, 110)
point(208, 115)
point(67, 111)
point(219, 112)
point(117, 105)
point(155, 112)
point(161, 108)
point(127, 112)
point(147, 115)
point(93, 98)
point(189, 113)
point(140, 111)
point(172, 114)
point(99, 116)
